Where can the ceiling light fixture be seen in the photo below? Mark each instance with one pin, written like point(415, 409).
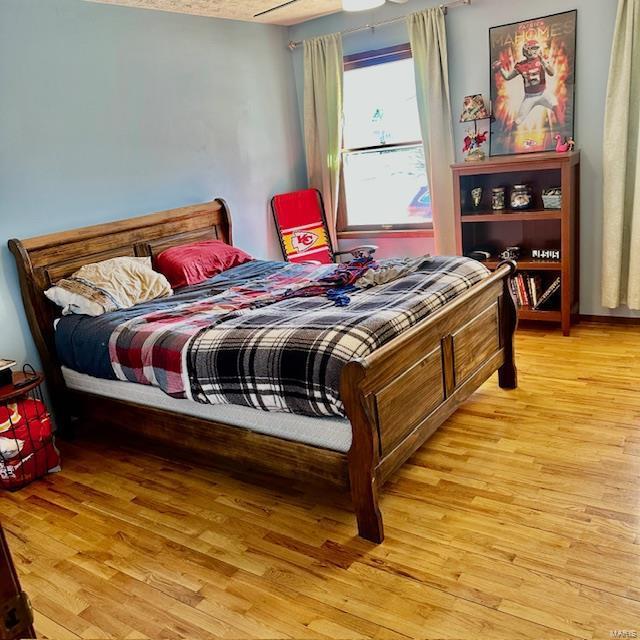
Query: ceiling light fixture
point(361, 5)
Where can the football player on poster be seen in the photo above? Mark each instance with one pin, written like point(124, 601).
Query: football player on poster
point(534, 69)
point(532, 83)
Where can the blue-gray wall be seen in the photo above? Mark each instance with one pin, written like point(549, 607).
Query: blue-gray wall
point(468, 42)
point(108, 112)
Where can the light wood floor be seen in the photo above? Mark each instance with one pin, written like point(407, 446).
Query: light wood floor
point(518, 519)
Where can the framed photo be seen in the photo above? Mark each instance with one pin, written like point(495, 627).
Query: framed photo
point(532, 83)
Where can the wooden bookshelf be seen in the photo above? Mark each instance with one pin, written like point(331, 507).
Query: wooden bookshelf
point(537, 227)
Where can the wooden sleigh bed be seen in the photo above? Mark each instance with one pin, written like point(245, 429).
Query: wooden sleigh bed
point(395, 398)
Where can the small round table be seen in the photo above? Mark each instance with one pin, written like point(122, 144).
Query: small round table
point(11, 393)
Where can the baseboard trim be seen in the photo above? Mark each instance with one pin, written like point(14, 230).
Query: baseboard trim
point(609, 319)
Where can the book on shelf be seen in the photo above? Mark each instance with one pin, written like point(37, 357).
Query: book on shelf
point(524, 296)
point(551, 289)
point(529, 291)
point(535, 284)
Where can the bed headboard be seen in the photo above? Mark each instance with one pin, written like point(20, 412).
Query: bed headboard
point(45, 259)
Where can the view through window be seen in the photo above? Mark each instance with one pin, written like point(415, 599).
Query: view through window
point(385, 177)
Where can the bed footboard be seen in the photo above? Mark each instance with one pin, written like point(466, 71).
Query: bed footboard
point(399, 395)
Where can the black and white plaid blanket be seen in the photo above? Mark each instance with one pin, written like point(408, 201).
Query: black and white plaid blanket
point(288, 356)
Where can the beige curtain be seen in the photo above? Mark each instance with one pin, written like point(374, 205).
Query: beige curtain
point(428, 37)
point(323, 78)
point(621, 224)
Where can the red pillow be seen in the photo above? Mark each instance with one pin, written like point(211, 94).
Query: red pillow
point(193, 263)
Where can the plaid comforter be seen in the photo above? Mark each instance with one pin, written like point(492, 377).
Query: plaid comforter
point(275, 344)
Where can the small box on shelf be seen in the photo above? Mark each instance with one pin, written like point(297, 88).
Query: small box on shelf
point(552, 198)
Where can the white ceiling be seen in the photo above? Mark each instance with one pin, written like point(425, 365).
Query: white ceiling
point(240, 9)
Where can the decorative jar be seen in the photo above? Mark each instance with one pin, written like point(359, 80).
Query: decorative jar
point(521, 197)
point(498, 198)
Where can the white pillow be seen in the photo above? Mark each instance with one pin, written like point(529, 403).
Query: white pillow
point(100, 287)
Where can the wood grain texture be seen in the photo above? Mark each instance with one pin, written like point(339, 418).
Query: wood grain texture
point(415, 393)
point(364, 454)
point(476, 342)
point(517, 520)
point(531, 161)
point(16, 620)
point(211, 443)
point(508, 372)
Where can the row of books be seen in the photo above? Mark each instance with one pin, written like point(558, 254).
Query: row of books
point(530, 291)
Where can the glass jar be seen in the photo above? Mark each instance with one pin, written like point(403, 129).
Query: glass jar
point(498, 198)
point(521, 197)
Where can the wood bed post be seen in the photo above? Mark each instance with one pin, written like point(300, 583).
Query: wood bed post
point(507, 373)
point(40, 317)
point(363, 457)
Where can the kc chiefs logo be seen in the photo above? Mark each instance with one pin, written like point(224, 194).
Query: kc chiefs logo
point(303, 240)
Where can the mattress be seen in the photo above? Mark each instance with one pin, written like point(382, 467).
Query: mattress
point(327, 433)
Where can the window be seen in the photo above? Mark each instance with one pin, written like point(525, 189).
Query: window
point(384, 173)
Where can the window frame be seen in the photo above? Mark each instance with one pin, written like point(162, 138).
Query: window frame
point(372, 58)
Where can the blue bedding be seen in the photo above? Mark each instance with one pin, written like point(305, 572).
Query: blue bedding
point(82, 342)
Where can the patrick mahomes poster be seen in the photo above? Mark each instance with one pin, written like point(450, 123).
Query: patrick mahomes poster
point(532, 83)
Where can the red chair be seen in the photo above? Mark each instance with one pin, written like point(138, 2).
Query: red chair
point(302, 228)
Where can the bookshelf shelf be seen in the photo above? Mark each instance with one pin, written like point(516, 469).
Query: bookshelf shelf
point(527, 313)
point(536, 228)
point(512, 216)
point(529, 265)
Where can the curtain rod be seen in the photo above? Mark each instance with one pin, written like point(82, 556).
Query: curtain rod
point(444, 6)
